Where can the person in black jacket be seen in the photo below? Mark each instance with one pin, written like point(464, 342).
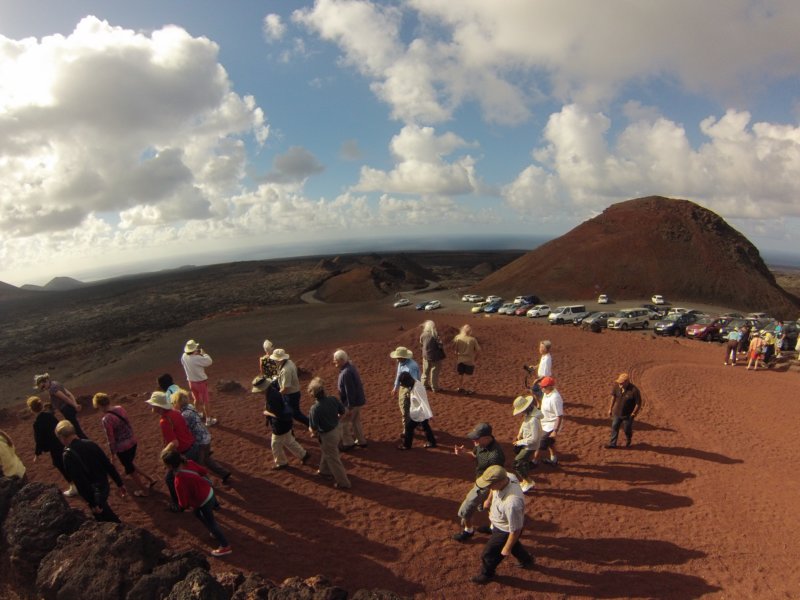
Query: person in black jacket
point(280, 418)
point(44, 436)
point(89, 467)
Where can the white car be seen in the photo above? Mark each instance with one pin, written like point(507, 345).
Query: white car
point(507, 308)
point(677, 310)
point(493, 299)
point(471, 298)
point(433, 305)
point(402, 302)
point(657, 299)
point(540, 310)
point(602, 299)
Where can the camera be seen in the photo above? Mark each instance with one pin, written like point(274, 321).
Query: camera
point(530, 370)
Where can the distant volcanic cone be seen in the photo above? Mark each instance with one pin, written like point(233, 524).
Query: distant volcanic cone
point(647, 246)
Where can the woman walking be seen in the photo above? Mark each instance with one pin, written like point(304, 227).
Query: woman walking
point(46, 440)
point(432, 355)
point(62, 399)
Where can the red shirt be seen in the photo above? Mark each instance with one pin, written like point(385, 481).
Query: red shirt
point(175, 429)
point(191, 486)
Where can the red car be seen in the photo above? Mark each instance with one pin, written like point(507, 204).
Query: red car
point(523, 310)
point(706, 328)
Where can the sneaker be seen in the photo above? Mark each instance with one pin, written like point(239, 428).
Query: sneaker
point(463, 535)
point(553, 462)
point(608, 446)
point(279, 467)
point(70, 492)
point(482, 579)
point(484, 529)
point(527, 486)
point(222, 551)
point(364, 445)
point(210, 422)
point(526, 565)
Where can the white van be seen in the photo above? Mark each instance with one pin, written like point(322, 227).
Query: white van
point(567, 314)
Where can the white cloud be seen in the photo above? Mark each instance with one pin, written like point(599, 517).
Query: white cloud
point(420, 167)
point(108, 120)
point(742, 170)
point(274, 28)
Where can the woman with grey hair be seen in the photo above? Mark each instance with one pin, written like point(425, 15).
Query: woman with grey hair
point(432, 355)
point(266, 366)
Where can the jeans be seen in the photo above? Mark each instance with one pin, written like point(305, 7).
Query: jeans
point(491, 557)
point(411, 425)
point(627, 427)
point(206, 515)
point(70, 414)
point(101, 491)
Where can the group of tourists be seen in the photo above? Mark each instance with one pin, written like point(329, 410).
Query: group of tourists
point(759, 349)
point(185, 419)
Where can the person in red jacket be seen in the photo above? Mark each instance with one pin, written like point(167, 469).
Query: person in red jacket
point(194, 491)
point(177, 436)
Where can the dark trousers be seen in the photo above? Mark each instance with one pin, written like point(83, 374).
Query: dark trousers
point(293, 400)
point(70, 414)
point(58, 462)
point(491, 557)
point(204, 458)
point(101, 491)
point(627, 427)
point(206, 515)
point(411, 425)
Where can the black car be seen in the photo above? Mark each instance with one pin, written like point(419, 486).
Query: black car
point(790, 333)
point(599, 317)
point(659, 310)
point(675, 324)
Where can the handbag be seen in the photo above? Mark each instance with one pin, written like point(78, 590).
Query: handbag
point(419, 410)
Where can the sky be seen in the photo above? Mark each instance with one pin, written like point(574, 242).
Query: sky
point(160, 133)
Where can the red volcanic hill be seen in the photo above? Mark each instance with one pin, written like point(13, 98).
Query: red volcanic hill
point(369, 277)
point(648, 246)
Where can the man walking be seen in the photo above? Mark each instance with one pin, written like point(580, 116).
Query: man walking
point(323, 420)
point(506, 505)
point(466, 348)
point(89, 468)
point(626, 402)
point(553, 416)
point(351, 395)
point(487, 452)
point(279, 418)
point(289, 384)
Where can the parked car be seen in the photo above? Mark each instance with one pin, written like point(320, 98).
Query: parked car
point(657, 299)
point(577, 322)
point(706, 328)
point(494, 299)
point(753, 324)
point(566, 314)
point(401, 302)
point(421, 305)
point(471, 298)
point(757, 315)
point(677, 310)
point(523, 309)
point(602, 299)
point(433, 305)
point(539, 310)
point(630, 318)
point(493, 307)
point(790, 332)
point(507, 308)
point(601, 318)
point(654, 309)
point(478, 308)
point(529, 299)
point(674, 324)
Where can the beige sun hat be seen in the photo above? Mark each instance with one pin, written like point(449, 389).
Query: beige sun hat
point(401, 352)
point(521, 404)
point(159, 400)
point(191, 346)
point(279, 354)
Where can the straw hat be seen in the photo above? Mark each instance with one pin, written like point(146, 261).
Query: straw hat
point(191, 346)
point(159, 400)
point(401, 352)
point(522, 403)
point(279, 354)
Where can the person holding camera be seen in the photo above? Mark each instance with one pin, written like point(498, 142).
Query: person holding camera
point(543, 369)
point(195, 361)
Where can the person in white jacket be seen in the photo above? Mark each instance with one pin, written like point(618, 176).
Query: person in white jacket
point(195, 361)
point(528, 438)
point(419, 411)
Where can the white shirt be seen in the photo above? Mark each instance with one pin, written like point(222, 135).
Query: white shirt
point(195, 366)
point(530, 431)
point(508, 507)
point(545, 366)
point(552, 408)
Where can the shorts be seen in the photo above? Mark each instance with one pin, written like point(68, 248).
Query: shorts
point(472, 501)
point(546, 441)
point(126, 459)
point(463, 369)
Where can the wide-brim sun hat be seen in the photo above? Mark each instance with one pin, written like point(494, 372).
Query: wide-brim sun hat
point(260, 383)
point(159, 400)
point(279, 354)
point(190, 346)
point(401, 352)
point(522, 403)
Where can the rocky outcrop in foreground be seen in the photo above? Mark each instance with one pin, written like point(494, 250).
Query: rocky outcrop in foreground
point(54, 552)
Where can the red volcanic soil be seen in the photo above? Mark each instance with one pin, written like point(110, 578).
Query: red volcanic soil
point(700, 506)
point(648, 246)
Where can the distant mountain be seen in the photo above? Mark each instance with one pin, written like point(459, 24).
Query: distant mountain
point(57, 284)
point(647, 246)
point(10, 291)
